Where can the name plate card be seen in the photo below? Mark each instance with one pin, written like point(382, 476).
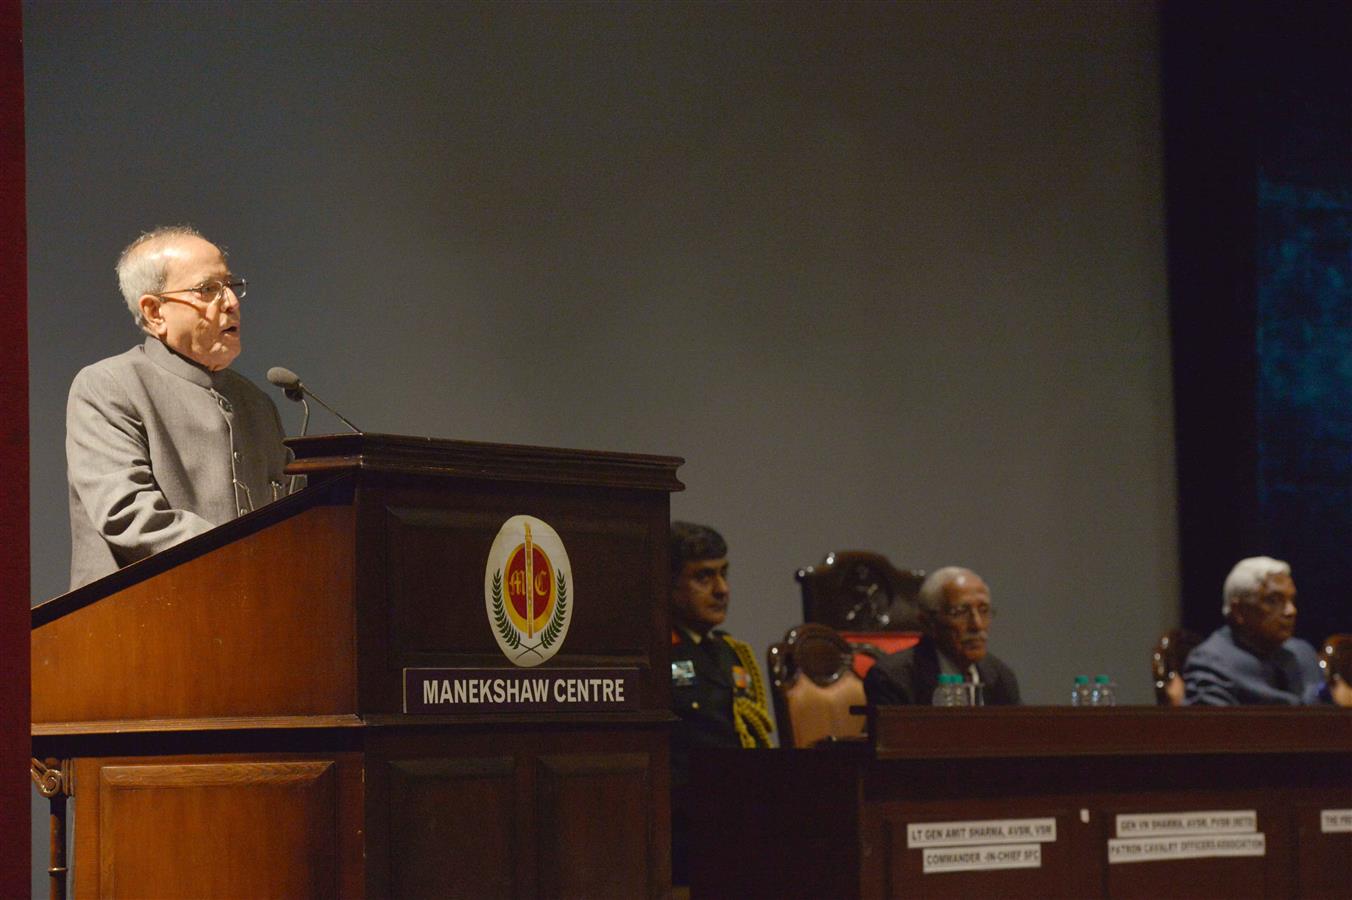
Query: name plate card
point(1333, 821)
point(476, 691)
point(980, 845)
point(1196, 834)
point(971, 859)
point(1218, 821)
point(990, 831)
point(1131, 850)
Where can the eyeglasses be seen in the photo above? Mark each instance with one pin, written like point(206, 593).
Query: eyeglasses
point(208, 292)
point(1274, 601)
point(983, 612)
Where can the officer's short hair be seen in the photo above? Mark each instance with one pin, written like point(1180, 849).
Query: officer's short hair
point(690, 541)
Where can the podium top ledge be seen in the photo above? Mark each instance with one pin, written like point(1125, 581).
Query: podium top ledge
point(322, 456)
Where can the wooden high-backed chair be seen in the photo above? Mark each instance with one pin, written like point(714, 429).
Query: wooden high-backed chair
point(1166, 664)
point(870, 602)
point(1335, 661)
point(814, 685)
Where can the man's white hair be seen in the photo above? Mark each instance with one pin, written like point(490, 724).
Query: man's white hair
point(1247, 577)
point(140, 271)
point(931, 596)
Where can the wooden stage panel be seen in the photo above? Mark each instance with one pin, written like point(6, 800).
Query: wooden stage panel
point(203, 639)
point(453, 828)
point(218, 827)
point(579, 797)
point(1323, 859)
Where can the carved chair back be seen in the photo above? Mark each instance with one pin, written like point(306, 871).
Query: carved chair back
point(814, 686)
point(1335, 661)
point(865, 598)
point(1166, 664)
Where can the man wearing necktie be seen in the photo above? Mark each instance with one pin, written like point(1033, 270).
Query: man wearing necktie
point(956, 615)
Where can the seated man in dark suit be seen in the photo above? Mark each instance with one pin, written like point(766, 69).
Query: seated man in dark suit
point(956, 613)
point(1254, 659)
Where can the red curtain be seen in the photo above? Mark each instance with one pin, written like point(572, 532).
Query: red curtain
point(15, 879)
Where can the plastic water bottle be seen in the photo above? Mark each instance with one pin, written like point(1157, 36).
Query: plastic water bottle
point(1104, 692)
point(1080, 692)
point(943, 692)
point(950, 691)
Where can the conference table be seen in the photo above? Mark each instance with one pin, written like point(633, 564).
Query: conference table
point(1037, 802)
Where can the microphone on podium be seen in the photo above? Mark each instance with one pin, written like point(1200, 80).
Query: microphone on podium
point(291, 385)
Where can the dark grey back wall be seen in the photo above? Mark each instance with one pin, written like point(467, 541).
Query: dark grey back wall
point(888, 277)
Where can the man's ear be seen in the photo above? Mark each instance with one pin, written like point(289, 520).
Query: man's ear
point(151, 315)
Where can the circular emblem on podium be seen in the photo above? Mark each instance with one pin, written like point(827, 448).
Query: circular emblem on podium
point(528, 588)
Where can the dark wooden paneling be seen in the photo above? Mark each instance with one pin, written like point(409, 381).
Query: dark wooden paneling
point(1202, 879)
point(453, 828)
point(582, 799)
point(589, 808)
point(789, 828)
point(436, 576)
point(435, 581)
point(14, 790)
point(1323, 861)
point(992, 731)
point(218, 827)
point(903, 869)
point(423, 548)
point(247, 629)
point(847, 807)
point(320, 456)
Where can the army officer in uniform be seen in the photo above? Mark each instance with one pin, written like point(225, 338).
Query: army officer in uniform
point(716, 687)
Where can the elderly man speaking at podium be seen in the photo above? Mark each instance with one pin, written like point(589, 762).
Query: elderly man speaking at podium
point(163, 442)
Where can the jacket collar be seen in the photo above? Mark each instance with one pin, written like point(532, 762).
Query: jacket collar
point(159, 353)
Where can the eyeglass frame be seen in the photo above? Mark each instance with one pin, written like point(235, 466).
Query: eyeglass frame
point(968, 611)
point(237, 286)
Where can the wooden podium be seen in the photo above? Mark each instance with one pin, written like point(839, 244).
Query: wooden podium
point(230, 714)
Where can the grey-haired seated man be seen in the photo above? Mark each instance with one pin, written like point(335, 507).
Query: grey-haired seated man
point(955, 613)
point(163, 442)
point(1254, 658)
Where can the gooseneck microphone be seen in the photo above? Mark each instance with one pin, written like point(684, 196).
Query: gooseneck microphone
point(291, 385)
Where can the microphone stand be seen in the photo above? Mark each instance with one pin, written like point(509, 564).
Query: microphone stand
point(297, 394)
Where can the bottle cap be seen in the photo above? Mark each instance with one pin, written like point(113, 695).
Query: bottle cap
point(1081, 679)
point(1102, 679)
